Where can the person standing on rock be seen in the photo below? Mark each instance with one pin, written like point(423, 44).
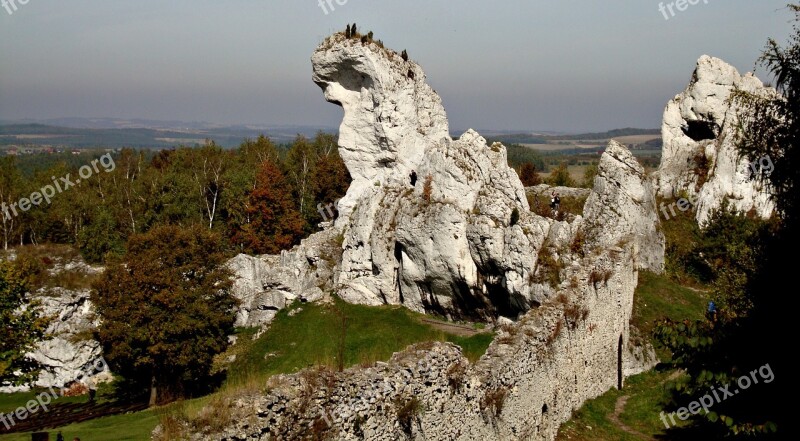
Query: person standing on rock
point(413, 177)
point(555, 203)
point(92, 385)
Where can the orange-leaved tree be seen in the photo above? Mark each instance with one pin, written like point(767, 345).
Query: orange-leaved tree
point(273, 223)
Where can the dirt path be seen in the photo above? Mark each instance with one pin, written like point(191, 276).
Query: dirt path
point(619, 407)
point(452, 328)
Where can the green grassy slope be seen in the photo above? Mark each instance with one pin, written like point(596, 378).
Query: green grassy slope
point(310, 337)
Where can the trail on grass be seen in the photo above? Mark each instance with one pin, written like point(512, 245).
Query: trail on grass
point(452, 328)
point(619, 407)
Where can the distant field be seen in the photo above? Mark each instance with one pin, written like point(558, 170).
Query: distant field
point(636, 139)
point(568, 144)
point(576, 172)
point(557, 147)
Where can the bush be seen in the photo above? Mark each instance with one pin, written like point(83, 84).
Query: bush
point(528, 175)
point(574, 314)
point(701, 168)
point(456, 374)
point(560, 177)
point(494, 400)
point(427, 189)
point(408, 411)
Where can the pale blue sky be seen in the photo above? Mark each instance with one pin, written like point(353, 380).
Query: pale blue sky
point(567, 65)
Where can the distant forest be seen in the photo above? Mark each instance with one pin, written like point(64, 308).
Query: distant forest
point(259, 198)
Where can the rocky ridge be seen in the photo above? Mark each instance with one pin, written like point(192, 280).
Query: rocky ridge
point(460, 242)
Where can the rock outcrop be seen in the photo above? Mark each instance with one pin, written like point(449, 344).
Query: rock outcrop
point(266, 284)
point(700, 161)
point(533, 376)
point(68, 352)
point(461, 241)
point(65, 356)
point(547, 190)
point(620, 209)
point(391, 115)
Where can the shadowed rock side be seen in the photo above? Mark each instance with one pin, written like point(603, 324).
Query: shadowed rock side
point(700, 160)
point(448, 245)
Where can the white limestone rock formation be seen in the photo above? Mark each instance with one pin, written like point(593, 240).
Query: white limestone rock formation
point(266, 284)
point(69, 351)
point(623, 200)
point(700, 160)
point(64, 356)
point(391, 115)
point(448, 244)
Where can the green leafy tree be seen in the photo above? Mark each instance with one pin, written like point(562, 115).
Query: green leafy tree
point(330, 177)
point(560, 177)
point(21, 325)
point(301, 164)
point(10, 185)
point(101, 237)
point(166, 310)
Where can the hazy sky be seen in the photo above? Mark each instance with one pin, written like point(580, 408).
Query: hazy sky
point(566, 65)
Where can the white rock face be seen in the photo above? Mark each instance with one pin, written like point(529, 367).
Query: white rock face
point(448, 245)
point(624, 200)
point(390, 113)
point(266, 284)
point(67, 353)
point(450, 248)
point(699, 126)
point(65, 356)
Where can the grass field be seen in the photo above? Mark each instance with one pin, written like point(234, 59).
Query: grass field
point(311, 337)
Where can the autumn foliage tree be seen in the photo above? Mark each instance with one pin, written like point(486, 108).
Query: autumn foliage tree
point(528, 175)
point(166, 310)
point(273, 223)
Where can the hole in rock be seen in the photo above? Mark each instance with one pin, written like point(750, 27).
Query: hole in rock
point(700, 130)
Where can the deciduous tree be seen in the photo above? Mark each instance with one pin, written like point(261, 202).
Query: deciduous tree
point(166, 310)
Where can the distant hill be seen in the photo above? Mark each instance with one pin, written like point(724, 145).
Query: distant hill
point(88, 133)
point(616, 133)
point(109, 133)
point(635, 139)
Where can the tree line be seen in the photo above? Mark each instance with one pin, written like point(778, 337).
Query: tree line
point(260, 197)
